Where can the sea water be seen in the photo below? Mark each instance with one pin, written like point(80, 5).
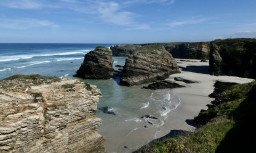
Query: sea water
point(128, 129)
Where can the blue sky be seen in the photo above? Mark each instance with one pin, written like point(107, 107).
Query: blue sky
point(125, 21)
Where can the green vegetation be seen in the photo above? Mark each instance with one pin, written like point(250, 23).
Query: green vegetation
point(87, 86)
point(100, 47)
point(38, 97)
point(68, 86)
point(26, 81)
point(227, 131)
point(150, 48)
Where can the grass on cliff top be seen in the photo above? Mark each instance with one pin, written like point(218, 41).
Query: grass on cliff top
point(229, 131)
point(20, 80)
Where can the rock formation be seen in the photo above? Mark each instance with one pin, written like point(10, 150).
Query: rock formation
point(233, 57)
point(148, 63)
point(123, 50)
point(196, 50)
point(163, 85)
point(97, 64)
point(48, 115)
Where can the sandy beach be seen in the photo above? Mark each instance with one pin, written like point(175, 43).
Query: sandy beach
point(193, 98)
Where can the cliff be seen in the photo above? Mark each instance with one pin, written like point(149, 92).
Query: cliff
point(97, 64)
point(123, 50)
point(233, 57)
point(196, 50)
point(48, 115)
point(148, 63)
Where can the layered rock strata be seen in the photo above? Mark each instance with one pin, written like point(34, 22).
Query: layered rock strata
point(48, 115)
point(147, 64)
point(97, 64)
point(233, 57)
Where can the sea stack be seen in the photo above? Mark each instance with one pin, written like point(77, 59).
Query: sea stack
point(97, 64)
point(148, 63)
point(49, 115)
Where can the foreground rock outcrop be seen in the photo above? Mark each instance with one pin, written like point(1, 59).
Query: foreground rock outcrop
point(123, 50)
point(148, 63)
point(48, 115)
point(97, 64)
point(233, 57)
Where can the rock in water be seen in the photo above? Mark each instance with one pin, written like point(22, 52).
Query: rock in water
point(148, 63)
point(235, 57)
point(43, 114)
point(163, 85)
point(107, 110)
point(97, 64)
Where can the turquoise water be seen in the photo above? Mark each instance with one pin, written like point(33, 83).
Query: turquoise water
point(126, 128)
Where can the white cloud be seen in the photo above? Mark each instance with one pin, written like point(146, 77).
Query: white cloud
point(23, 24)
point(21, 4)
point(165, 2)
point(186, 22)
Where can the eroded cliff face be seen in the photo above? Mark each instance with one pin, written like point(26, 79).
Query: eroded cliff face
point(235, 57)
point(48, 115)
point(196, 50)
point(148, 63)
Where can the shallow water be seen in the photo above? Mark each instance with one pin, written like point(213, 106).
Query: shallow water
point(126, 128)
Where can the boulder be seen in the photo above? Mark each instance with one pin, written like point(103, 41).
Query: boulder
point(107, 110)
point(236, 57)
point(97, 64)
point(147, 64)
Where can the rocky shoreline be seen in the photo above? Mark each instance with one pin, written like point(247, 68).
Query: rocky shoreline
point(48, 114)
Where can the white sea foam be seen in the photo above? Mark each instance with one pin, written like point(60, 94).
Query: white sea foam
point(145, 105)
point(6, 69)
point(135, 119)
point(19, 57)
point(32, 63)
point(64, 76)
point(67, 59)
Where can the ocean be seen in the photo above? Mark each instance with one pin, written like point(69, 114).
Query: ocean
point(127, 130)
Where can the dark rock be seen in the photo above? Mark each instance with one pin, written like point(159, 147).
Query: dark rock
point(162, 85)
point(148, 63)
point(97, 64)
point(145, 126)
point(150, 123)
point(119, 66)
point(195, 50)
point(184, 80)
point(107, 110)
point(125, 147)
point(123, 50)
point(149, 116)
point(219, 87)
point(236, 57)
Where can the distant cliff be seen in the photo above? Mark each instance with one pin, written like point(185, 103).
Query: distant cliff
point(197, 50)
point(123, 50)
point(48, 115)
point(233, 57)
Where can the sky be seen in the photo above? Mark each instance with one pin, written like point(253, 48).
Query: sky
point(125, 21)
